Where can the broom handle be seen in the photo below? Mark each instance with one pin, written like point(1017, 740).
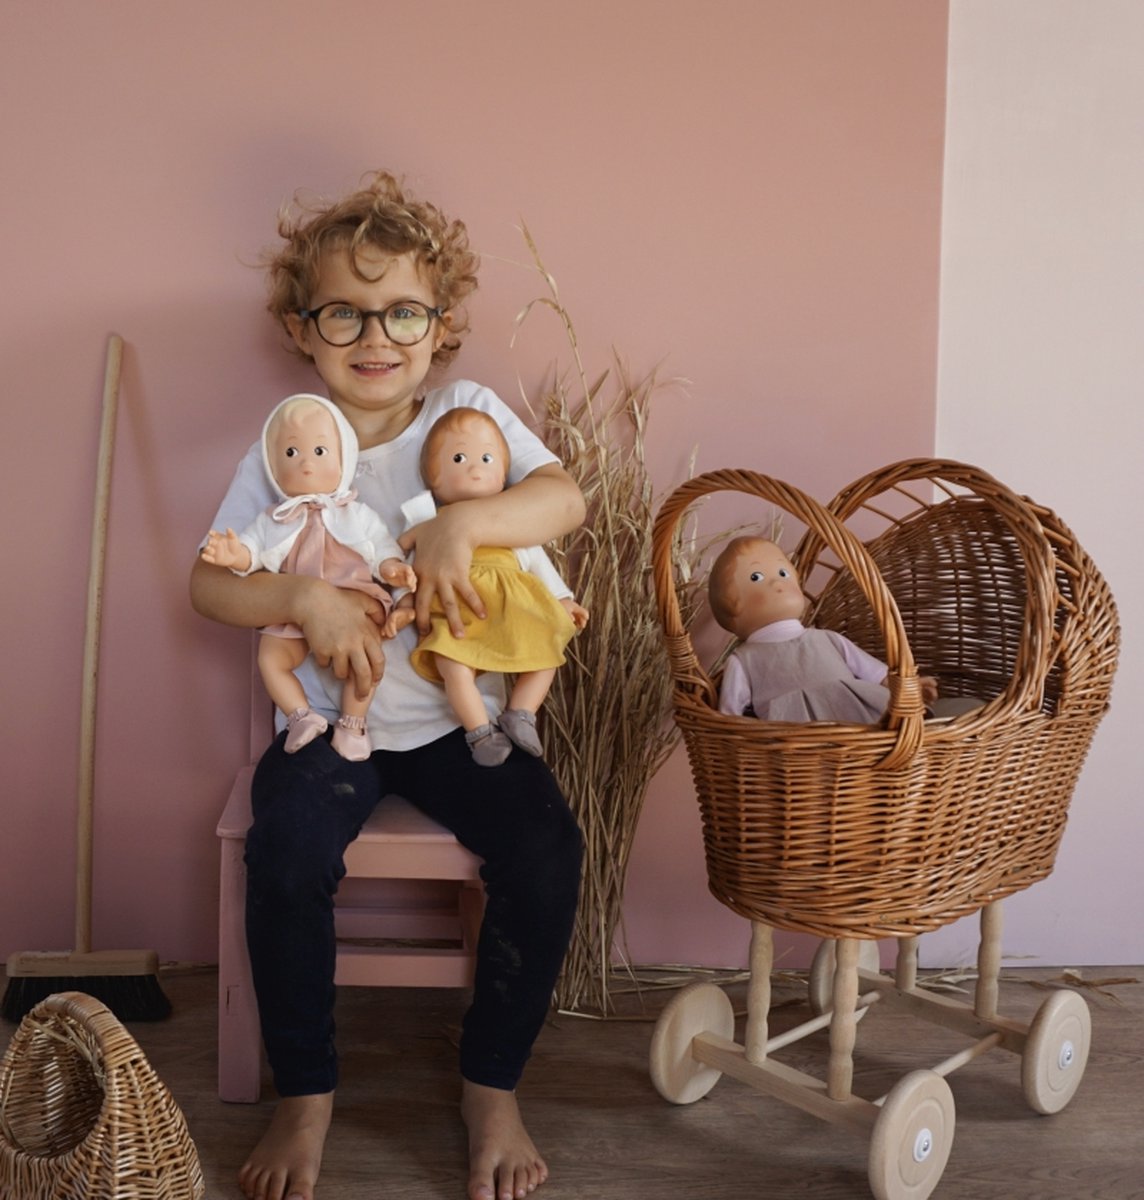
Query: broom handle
point(86, 782)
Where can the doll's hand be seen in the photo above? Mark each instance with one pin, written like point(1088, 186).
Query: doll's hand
point(577, 612)
point(344, 629)
point(444, 558)
point(397, 574)
point(400, 615)
point(225, 550)
point(929, 688)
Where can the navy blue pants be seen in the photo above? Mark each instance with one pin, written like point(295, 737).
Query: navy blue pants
point(309, 806)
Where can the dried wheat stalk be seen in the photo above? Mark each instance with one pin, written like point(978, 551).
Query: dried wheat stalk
point(606, 723)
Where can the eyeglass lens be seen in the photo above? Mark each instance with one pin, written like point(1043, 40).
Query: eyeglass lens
point(405, 322)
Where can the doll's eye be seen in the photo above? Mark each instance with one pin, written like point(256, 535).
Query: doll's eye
point(756, 577)
point(784, 573)
point(459, 457)
point(292, 452)
point(486, 458)
point(319, 451)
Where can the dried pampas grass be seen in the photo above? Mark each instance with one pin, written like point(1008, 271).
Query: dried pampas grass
point(606, 724)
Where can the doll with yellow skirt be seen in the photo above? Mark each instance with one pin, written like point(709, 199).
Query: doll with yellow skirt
point(530, 613)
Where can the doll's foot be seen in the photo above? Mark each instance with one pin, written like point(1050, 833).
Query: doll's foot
point(488, 746)
point(520, 725)
point(303, 725)
point(350, 739)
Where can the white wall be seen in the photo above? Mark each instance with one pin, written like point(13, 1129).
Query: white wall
point(1041, 380)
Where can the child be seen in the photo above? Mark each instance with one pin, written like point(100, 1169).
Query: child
point(783, 671)
point(318, 527)
point(370, 289)
point(531, 614)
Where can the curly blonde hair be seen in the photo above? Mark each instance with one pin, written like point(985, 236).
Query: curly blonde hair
point(379, 215)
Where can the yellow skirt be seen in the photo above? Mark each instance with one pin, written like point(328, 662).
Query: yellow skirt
point(526, 627)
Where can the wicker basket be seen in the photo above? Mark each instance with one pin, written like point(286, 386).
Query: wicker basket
point(897, 829)
point(84, 1117)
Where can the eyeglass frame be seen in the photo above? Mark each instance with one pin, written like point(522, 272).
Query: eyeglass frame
point(307, 314)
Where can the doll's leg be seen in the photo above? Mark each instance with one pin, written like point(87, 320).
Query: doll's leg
point(488, 745)
point(519, 719)
point(278, 659)
point(350, 738)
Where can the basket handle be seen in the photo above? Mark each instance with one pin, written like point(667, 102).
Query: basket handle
point(1039, 642)
point(905, 714)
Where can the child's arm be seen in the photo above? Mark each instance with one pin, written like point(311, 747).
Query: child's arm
point(544, 505)
point(342, 625)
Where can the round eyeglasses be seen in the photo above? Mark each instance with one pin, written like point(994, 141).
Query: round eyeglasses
point(406, 322)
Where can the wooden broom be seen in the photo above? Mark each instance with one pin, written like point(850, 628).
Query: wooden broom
point(125, 980)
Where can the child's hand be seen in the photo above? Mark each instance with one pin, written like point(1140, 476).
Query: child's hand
point(397, 574)
point(225, 550)
point(343, 628)
point(577, 612)
point(444, 558)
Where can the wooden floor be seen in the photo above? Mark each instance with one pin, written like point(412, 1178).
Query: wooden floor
point(608, 1135)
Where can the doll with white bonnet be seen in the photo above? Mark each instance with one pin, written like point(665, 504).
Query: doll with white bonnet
point(781, 670)
point(319, 528)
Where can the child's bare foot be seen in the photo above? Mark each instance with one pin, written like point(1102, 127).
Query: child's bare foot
point(284, 1165)
point(503, 1162)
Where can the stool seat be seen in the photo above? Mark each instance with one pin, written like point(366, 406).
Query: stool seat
point(390, 934)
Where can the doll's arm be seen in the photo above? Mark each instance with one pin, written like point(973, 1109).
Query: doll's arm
point(400, 615)
point(397, 573)
point(542, 506)
point(577, 612)
point(227, 550)
point(735, 690)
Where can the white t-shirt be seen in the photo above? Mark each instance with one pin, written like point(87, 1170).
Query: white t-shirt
point(407, 711)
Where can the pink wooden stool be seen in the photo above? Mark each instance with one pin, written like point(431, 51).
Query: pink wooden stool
point(381, 917)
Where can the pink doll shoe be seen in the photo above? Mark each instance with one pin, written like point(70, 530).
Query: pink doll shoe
point(350, 739)
point(488, 746)
point(520, 725)
point(303, 725)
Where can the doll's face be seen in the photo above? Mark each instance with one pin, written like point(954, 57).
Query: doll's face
point(468, 462)
point(304, 451)
point(767, 587)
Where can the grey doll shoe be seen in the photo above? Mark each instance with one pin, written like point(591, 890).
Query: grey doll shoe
point(488, 746)
point(520, 725)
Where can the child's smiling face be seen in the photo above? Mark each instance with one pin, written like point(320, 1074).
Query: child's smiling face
point(375, 382)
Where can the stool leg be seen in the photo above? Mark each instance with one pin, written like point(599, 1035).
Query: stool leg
point(239, 1033)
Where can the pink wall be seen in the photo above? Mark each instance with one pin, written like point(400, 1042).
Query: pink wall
point(752, 201)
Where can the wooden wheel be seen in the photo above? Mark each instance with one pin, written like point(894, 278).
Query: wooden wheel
point(1056, 1052)
point(912, 1138)
point(699, 1008)
point(820, 984)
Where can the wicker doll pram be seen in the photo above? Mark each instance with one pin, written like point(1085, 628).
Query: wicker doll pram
point(862, 832)
point(83, 1114)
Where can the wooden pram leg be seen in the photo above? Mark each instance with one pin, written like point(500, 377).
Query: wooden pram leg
point(843, 1022)
point(906, 969)
point(988, 962)
point(759, 991)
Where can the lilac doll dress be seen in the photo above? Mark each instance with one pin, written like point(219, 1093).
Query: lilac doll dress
point(814, 675)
